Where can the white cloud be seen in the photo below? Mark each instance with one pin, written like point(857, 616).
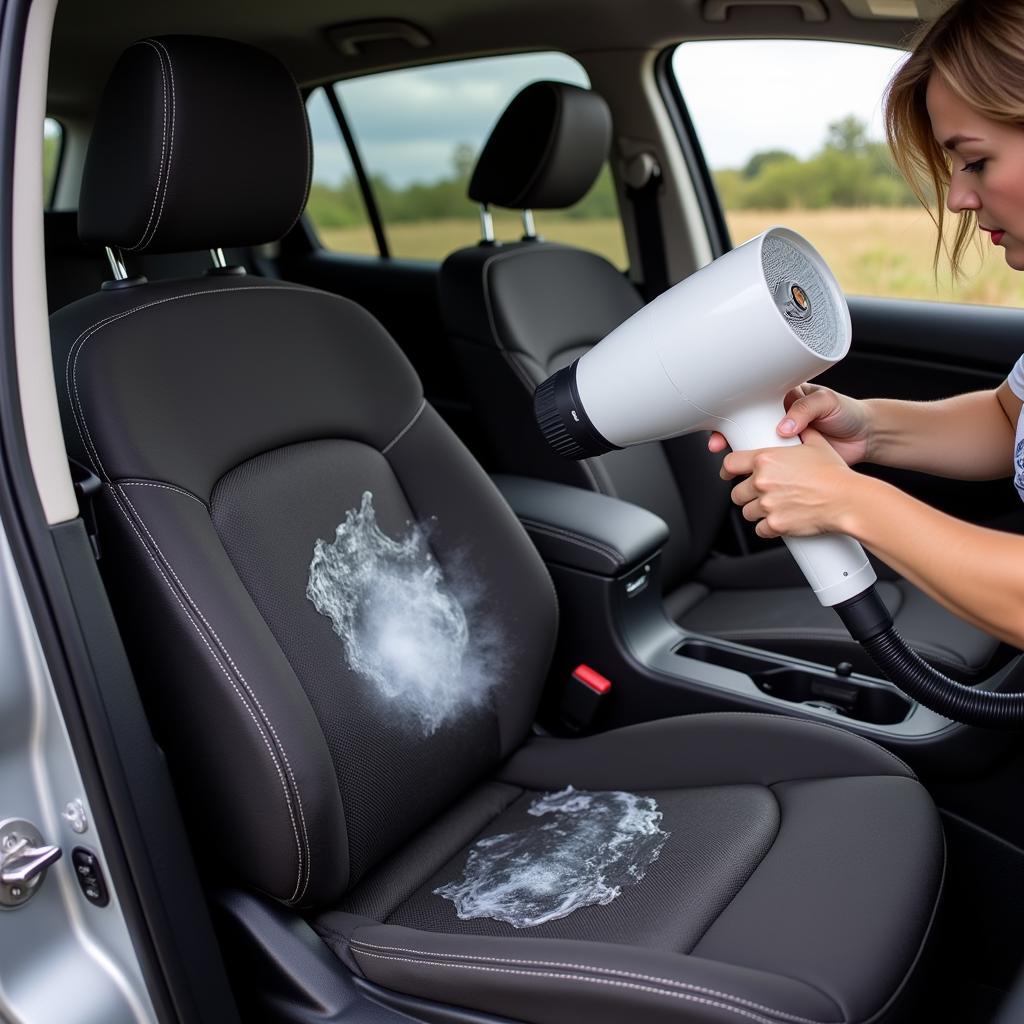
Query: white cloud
point(749, 95)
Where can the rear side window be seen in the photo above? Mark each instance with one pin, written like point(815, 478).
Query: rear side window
point(418, 133)
point(336, 205)
point(53, 138)
point(792, 132)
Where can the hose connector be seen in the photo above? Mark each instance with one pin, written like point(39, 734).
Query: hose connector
point(865, 616)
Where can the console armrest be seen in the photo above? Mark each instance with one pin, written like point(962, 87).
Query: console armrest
point(583, 529)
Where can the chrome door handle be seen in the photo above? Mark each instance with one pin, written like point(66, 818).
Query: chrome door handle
point(29, 861)
point(24, 859)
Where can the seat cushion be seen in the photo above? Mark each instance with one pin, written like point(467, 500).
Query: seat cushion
point(779, 893)
point(764, 601)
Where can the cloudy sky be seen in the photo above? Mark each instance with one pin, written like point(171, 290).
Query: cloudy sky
point(407, 123)
point(743, 97)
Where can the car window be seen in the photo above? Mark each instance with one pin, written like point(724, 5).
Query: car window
point(418, 132)
point(53, 137)
point(792, 133)
point(335, 205)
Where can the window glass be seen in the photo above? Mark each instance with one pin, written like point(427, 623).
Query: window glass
point(52, 138)
point(792, 132)
point(335, 207)
point(419, 132)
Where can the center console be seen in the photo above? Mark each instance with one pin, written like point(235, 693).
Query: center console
point(604, 557)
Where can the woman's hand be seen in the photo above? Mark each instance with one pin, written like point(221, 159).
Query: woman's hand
point(844, 422)
point(796, 491)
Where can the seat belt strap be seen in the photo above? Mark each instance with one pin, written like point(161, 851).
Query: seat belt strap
point(87, 485)
point(650, 237)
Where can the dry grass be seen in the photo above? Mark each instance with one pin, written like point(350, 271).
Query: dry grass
point(889, 252)
point(872, 251)
point(434, 239)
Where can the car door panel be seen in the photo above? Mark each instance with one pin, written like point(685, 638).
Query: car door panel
point(925, 351)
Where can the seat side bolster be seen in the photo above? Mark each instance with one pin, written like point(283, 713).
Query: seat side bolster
point(235, 722)
point(700, 750)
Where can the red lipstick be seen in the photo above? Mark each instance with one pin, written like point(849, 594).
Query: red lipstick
point(997, 237)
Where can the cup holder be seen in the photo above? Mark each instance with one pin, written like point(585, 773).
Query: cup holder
point(859, 699)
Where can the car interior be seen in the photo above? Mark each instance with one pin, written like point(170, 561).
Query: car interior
point(385, 710)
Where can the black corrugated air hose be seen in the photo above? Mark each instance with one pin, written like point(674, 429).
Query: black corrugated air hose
point(870, 624)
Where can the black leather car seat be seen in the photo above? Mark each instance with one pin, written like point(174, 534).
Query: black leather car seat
point(518, 312)
point(264, 449)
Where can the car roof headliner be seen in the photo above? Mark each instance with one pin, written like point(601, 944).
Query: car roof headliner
point(89, 36)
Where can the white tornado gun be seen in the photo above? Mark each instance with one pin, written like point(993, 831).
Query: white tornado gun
point(718, 351)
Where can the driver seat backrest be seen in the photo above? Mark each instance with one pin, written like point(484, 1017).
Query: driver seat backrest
point(244, 430)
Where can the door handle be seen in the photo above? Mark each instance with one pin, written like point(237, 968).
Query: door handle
point(24, 860)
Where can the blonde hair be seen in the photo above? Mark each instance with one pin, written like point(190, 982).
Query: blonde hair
point(978, 48)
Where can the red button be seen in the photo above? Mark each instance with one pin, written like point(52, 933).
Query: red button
point(591, 679)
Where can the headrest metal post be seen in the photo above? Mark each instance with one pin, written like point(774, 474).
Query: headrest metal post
point(486, 224)
point(116, 261)
point(217, 255)
point(529, 228)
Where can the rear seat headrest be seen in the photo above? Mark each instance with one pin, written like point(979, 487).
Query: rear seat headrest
point(198, 143)
point(546, 150)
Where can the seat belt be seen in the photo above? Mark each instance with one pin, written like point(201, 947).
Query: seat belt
point(644, 185)
point(87, 485)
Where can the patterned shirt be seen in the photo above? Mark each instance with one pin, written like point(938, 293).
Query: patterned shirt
point(1016, 382)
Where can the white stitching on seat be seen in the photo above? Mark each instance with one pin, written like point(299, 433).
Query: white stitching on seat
point(163, 145)
point(71, 383)
point(583, 978)
point(615, 557)
point(591, 967)
point(82, 426)
point(398, 437)
point(163, 487)
point(71, 367)
point(248, 689)
point(284, 787)
point(170, 143)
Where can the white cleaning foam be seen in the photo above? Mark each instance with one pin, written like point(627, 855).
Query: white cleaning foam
point(401, 627)
point(594, 844)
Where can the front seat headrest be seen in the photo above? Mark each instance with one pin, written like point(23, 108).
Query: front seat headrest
point(546, 150)
point(198, 143)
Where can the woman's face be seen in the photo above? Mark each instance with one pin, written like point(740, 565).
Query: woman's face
point(988, 167)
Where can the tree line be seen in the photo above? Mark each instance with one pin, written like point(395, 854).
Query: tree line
point(848, 170)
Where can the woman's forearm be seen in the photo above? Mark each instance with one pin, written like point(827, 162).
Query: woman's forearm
point(977, 573)
point(968, 437)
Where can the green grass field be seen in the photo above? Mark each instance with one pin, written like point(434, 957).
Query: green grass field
point(873, 251)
